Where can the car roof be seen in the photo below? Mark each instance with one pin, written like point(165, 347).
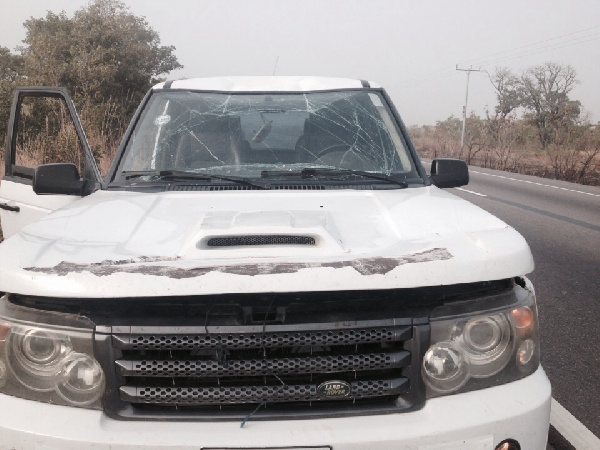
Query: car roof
point(266, 84)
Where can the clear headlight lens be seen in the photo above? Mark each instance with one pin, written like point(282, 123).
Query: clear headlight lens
point(473, 349)
point(37, 356)
point(48, 357)
point(486, 341)
point(445, 367)
point(81, 379)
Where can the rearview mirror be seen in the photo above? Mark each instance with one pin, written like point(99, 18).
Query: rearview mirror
point(58, 178)
point(449, 172)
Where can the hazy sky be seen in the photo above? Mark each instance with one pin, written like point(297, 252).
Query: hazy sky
point(410, 47)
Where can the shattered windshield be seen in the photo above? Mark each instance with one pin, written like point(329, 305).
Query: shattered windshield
point(250, 135)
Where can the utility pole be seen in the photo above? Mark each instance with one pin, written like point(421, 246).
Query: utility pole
point(464, 121)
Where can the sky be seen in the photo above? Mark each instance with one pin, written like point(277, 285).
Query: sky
point(411, 47)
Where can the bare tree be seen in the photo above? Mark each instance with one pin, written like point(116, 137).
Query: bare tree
point(545, 97)
point(509, 93)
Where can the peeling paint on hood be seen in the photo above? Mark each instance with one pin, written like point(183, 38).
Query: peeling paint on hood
point(99, 246)
point(364, 266)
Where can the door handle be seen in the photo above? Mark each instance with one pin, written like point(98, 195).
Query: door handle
point(8, 207)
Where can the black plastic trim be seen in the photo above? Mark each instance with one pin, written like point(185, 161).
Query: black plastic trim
point(407, 141)
point(126, 136)
point(8, 207)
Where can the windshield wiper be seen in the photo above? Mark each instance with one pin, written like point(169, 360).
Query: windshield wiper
point(328, 171)
point(178, 175)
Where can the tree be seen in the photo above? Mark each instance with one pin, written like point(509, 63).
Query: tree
point(508, 93)
point(447, 135)
point(11, 68)
point(476, 137)
point(106, 57)
point(545, 97)
point(103, 52)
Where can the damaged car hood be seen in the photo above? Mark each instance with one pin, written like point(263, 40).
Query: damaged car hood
point(130, 244)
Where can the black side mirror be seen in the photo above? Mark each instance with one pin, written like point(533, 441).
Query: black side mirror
point(449, 172)
point(58, 178)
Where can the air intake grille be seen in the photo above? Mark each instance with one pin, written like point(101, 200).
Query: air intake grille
point(231, 241)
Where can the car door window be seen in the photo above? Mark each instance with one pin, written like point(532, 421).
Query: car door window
point(44, 128)
point(45, 134)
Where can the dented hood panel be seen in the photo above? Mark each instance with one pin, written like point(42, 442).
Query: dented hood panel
point(127, 244)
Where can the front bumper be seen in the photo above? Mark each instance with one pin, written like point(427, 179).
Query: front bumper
point(475, 420)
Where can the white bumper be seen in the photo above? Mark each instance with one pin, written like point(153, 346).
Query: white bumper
point(476, 420)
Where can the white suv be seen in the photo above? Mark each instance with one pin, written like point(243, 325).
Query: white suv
point(266, 265)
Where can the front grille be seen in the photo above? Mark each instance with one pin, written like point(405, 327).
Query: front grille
point(231, 370)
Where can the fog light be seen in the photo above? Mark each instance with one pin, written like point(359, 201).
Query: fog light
point(508, 444)
point(81, 381)
point(445, 367)
point(525, 351)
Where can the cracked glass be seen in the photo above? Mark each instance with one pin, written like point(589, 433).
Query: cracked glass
point(249, 134)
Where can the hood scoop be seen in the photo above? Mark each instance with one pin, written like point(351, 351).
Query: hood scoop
point(247, 240)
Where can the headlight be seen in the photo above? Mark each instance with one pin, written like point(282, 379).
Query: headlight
point(482, 343)
point(48, 356)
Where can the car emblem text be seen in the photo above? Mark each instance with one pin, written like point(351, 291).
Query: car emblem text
point(333, 389)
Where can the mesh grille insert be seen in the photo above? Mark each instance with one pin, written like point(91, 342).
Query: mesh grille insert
point(348, 336)
point(253, 394)
point(257, 366)
point(231, 241)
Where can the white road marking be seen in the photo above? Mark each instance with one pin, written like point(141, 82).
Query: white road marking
point(471, 192)
point(534, 182)
point(572, 429)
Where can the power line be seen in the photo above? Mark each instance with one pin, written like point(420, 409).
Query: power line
point(477, 60)
point(489, 59)
point(544, 49)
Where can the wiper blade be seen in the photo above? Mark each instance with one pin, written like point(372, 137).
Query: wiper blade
point(176, 175)
point(165, 175)
point(327, 171)
point(311, 172)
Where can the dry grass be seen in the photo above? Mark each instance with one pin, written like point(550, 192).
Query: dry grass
point(566, 163)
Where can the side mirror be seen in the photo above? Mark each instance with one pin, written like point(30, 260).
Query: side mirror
point(58, 178)
point(449, 172)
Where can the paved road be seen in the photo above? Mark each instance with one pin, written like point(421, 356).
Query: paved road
point(561, 222)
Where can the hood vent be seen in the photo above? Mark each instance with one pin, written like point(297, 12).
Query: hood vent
point(233, 241)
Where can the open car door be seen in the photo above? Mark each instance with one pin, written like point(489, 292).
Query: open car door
point(46, 152)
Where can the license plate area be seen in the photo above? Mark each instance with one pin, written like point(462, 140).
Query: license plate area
point(267, 448)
